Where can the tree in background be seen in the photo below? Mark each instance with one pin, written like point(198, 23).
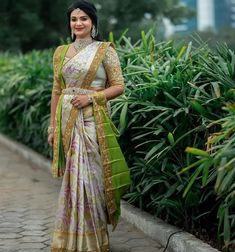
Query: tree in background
point(30, 24)
point(116, 16)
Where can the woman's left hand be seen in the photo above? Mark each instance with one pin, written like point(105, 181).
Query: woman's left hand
point(80, 101)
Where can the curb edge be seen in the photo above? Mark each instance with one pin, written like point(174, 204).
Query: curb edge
point(153, 227)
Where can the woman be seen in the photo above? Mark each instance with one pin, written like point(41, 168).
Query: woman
point(87, 74)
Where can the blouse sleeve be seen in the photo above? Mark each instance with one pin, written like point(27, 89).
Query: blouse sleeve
point(112, 67)
point(56, 79)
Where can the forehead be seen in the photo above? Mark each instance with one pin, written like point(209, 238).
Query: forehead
point(78, 13)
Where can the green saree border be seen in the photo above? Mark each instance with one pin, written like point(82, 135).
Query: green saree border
point(116, 172)
point(58, 162)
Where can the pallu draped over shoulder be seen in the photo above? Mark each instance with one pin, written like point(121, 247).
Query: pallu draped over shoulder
point(85, 150)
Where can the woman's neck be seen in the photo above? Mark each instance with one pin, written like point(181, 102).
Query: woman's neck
point(81, 43)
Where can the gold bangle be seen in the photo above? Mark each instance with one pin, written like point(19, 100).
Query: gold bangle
point(50, 130)
point(90, 99)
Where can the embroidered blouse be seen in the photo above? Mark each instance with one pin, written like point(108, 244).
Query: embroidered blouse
point(108, 74)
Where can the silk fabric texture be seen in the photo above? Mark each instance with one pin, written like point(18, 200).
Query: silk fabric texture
point(86, 152)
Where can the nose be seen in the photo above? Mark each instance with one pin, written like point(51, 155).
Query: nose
point(78, 22)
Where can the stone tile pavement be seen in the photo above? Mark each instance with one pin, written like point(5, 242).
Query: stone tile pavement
point(28, 201)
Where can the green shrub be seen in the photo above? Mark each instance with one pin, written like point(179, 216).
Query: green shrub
point(173, 94)
point(174, 101)
point(25, 90)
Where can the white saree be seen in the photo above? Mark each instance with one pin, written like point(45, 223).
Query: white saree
point(81, 219)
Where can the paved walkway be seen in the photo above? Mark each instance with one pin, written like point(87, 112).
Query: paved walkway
point(28, 201)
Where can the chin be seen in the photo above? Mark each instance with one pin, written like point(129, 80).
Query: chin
point(82, 34)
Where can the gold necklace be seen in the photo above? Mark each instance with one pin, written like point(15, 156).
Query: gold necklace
point(79, 44)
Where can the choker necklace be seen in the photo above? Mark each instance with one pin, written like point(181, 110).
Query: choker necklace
point(79, 44)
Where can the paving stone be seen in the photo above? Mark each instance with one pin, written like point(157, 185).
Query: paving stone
point(10, 230)
point(146, 249)
point(33, 239)
point(141, 242)
point(121, 239)
point(32, 250)
point(10, 225)
point(9, 249)
point(34, 227)
point(32, 246)
point(10, 236)
point(33, 222)
point(34, 233)
point(13, 214)
point(117, 247)
point(48, 242)
point(29, 199)
point(9, 242)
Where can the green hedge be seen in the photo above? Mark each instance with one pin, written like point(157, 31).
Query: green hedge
point(177, 96)
point(25, 90)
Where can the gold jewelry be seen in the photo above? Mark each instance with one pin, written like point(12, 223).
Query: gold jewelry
point(72, 35)
point(50, 130)
point(94, 31)
point(79, 44)
point(90, 99)
point(77, 9)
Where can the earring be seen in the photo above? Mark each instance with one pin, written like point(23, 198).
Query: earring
point(94, 32)
point(72, 35)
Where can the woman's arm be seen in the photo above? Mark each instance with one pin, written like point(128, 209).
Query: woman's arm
point(112, 92)
point(115, 80)
point(56, 91)
point(54, 101)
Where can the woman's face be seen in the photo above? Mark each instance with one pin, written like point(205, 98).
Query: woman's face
point(80, 24)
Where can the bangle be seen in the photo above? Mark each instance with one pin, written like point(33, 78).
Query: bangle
point(50, 130)
point(90, 98)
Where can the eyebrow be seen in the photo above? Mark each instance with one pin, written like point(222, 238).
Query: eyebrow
point(79, 17)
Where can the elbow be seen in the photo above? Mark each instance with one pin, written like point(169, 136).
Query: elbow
point(121, 89)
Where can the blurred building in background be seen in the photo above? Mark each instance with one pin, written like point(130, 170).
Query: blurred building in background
point(210, 15)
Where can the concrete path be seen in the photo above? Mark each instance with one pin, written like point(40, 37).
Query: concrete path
point(28, 202)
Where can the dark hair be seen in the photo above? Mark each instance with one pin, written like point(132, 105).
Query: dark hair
point(89, 9)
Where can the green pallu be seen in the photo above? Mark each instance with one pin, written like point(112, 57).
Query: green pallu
point(116, 172)
point(58, 163)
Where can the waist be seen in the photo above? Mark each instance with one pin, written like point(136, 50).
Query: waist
point(76, 90)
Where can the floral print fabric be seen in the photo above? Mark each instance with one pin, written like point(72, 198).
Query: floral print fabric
point(81, 219)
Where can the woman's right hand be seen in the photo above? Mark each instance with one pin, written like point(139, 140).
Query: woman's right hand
point(50, 139)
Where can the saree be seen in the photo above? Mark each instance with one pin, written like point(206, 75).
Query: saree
point(87, 155)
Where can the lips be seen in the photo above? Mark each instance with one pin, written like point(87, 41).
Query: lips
point(79, 29)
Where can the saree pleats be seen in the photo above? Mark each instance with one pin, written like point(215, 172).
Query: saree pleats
point(81, 223)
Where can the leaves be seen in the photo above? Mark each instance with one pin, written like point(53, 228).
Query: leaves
point(177, 98)
point(174, 104)
point(25, 98)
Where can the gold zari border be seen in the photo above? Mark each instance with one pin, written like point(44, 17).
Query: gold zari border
point(90, 76)
point(102, 249)
point(99, 97)
point(55, 171)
